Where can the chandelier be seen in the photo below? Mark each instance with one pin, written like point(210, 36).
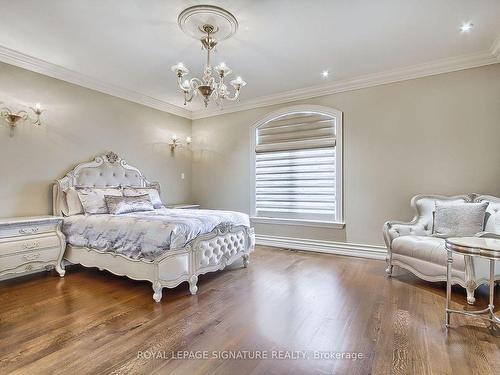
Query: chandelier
point(209, 24)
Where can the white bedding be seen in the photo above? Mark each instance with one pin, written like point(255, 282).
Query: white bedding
point(145, 235)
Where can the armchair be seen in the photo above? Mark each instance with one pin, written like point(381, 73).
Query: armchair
point(411, 246)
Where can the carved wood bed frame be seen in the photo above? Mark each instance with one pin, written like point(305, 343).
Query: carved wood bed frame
point(226, 243)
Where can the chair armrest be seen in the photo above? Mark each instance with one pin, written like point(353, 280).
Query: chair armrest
point(488, 235)
point(395, 229)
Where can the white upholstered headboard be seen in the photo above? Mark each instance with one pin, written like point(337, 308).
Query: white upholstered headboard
point(103, 171)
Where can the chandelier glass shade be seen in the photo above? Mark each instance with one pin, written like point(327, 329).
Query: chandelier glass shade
point(212, 85)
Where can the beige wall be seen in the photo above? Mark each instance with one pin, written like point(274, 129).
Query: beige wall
point(438, 134)
point(80, 124)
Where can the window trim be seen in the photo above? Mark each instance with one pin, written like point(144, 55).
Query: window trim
point(317, 109)
point(299, 222)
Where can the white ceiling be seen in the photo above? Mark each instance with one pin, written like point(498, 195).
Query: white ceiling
point(281, 45)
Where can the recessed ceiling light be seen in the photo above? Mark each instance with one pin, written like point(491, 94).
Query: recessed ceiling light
point(325, 73)
point(466, 27)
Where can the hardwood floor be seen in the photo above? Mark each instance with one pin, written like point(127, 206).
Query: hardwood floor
point(91, 322)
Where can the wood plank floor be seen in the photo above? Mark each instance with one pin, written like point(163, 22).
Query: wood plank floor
point(91, 322)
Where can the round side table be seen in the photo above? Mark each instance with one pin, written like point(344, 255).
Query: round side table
point(488, 248)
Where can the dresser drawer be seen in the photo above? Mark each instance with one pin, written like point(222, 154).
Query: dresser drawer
point(27, 229)
point(31, 260)
point(28, 244)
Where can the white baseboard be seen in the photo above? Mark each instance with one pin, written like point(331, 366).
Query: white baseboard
point(329, 247)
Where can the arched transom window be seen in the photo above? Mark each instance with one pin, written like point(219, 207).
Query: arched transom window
point(297, 165)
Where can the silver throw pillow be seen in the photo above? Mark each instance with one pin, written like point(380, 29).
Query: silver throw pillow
point(459, 219)
point(123, 205)
point(153, 194)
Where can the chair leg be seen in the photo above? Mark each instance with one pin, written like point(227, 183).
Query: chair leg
point(389, 268)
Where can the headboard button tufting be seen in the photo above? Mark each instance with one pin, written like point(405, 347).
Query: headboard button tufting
point(104, 171)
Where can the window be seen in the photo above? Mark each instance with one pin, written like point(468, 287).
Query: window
point(297, 166)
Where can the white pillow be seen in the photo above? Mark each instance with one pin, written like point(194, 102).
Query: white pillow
point(459, 219)
point(73, 202)
point(153, 194)
point(93, 200)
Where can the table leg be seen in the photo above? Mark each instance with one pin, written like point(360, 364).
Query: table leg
point(448, 287)
point(492, 287)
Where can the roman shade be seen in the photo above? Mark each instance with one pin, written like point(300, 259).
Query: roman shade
point(295, 174)
point(296, 131)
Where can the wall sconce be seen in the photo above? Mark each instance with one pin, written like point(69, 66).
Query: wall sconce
point(12, 118)
point(175, 142)
point(38, 111)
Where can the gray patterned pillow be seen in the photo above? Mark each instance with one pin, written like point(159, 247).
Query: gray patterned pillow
point(123, 205)
point(459, 219)
point(153, 194)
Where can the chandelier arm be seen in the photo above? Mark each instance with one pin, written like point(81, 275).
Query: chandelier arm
point(220, 84)
point(23, 114)
point(188, 96)
point(180, 84)
point(215, 94)
point(195, 82)
point(235, 96)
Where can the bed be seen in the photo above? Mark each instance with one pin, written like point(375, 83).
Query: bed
point(164, 246)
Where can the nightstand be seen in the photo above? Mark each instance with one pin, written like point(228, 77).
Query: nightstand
point(29, 244)
point(184, 206)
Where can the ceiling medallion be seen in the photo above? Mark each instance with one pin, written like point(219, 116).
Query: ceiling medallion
point(209, 24)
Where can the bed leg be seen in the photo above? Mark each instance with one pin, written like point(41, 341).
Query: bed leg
point(192, 284)
point(157, 291)
point(246, 260)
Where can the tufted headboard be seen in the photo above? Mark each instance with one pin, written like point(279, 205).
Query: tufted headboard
point(103, 171)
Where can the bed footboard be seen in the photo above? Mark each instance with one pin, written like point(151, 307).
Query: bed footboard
point(206, 253)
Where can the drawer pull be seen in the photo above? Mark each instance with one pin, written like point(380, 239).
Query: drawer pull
point(30, 257)
point(32, 245)
point(29, 267)
point(28, 230)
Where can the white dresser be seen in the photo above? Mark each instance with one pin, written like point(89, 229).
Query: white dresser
point(29, 244)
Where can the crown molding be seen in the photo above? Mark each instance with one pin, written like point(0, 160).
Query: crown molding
point(396, 75)
point(34, 64)
point(447, 65)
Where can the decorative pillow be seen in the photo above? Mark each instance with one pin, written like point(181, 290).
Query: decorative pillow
point(73, 202)
point(459, 219)
point(93, 201)
point(123, 205)
point(153, 194)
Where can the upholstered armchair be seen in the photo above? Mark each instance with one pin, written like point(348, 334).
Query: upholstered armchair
point(412, 246)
